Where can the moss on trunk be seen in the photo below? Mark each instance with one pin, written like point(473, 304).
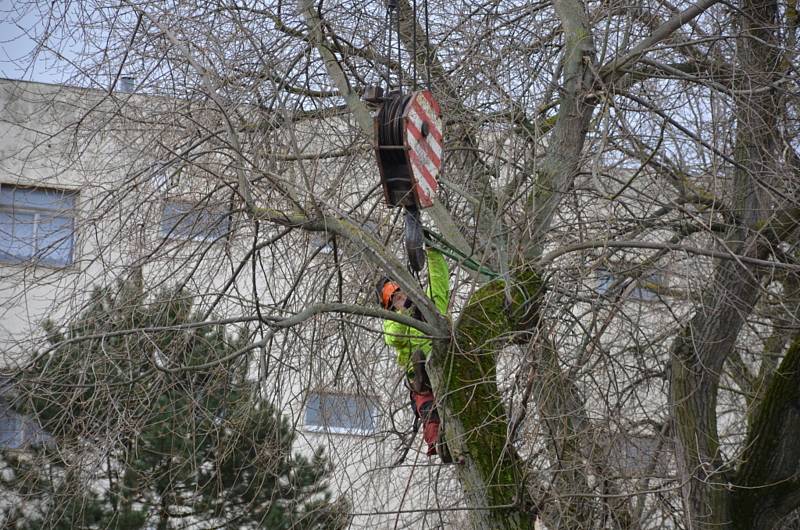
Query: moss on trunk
point(469, 380)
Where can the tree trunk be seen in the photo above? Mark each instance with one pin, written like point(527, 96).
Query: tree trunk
point(701, 350)
point(768, 481)
point(476, 426)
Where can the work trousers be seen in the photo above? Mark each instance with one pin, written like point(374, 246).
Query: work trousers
point(424, 407)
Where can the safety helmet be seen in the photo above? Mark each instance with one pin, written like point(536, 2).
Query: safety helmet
point(385, 289)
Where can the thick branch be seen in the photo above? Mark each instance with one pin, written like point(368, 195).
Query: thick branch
point(768, 481)
point(374, 248)
point(561, 164)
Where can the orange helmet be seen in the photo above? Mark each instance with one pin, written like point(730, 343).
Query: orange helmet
point(388, 289)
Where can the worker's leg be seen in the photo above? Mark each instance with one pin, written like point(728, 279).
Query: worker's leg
point(419, 382)
point(426, 409)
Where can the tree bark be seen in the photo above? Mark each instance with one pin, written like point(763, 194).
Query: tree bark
point(464, 380)
point(698, 356)
point(768, 481)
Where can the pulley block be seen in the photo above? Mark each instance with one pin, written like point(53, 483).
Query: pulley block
point(409, 145)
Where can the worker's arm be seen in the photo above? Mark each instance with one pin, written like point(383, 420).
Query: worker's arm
point(439, 280)
point(398, 336)
point(395, 334)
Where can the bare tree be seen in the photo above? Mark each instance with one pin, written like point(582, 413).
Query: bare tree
point(619, 200)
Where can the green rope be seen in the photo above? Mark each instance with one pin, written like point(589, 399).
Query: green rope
point(436, 241)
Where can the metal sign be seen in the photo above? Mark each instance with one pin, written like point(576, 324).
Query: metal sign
point(424, 145)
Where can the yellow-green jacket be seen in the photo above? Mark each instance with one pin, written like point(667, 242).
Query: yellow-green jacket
point(405, 339)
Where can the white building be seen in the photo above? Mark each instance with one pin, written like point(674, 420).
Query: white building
point(93, 186)
point(89, 192)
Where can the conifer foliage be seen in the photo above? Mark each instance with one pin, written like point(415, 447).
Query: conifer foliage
point(155, 424)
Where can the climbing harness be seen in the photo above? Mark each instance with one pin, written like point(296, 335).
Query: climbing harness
point(408, 140)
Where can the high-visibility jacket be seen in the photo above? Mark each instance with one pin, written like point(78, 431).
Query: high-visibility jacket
point(405, 339)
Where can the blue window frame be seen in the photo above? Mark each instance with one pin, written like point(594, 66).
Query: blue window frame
point(184, 220)
point(37, 224)
point(341, 413)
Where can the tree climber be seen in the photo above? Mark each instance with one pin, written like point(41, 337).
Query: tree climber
point(413, 348)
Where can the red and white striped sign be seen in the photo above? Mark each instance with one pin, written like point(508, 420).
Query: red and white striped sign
point(424, 145)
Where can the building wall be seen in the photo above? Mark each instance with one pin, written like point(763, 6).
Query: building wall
point(118, 164)
point(121, 183)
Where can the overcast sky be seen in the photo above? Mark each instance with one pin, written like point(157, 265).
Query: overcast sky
point(17, 26)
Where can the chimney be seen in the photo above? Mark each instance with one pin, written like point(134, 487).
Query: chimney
point(126, 83)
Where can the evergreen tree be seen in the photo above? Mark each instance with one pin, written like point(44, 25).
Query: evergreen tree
point(156, 425)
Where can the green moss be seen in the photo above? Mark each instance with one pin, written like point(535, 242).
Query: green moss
point(485, 316)
point(489, 319)
point(548, 124)
point(580, 39)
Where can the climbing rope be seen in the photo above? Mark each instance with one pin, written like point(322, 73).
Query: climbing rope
point(438, 242)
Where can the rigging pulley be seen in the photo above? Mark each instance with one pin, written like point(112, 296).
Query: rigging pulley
point(408, 145)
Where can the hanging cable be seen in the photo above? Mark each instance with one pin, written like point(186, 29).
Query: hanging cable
point(428, 52)
point(414, 43)
point(391, 16)
point(392, 20)
point(399, 59)
point(388, 47)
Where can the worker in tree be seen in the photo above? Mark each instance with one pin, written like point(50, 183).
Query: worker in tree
point(413, 348)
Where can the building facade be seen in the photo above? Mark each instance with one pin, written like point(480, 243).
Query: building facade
point(93, 189)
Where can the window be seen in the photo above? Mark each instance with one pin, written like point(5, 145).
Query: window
point(12, 431)
point(18, 431)
point(341, 413)
point(183, 220)
point(606, 279)
point(636, 454)
point(37, 224)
